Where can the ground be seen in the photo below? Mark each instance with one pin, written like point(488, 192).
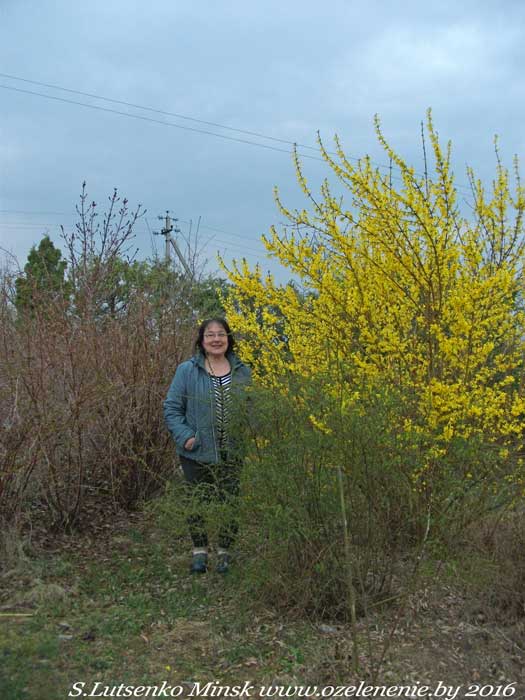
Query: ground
point(116, 605)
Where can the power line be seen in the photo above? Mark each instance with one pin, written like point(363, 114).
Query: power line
point(23, 224)
point(218, 230)
point(43, 226)
point(295, 144)
point(187, 118)
point(156, 121)
point(160, 111)
point(229, 244)
point(39, 213)
point(39, 224)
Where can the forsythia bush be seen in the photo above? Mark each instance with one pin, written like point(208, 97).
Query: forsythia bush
point(400, 291)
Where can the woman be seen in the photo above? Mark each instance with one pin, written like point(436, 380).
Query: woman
point(198, 411)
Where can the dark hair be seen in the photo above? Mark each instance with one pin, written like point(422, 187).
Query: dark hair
point(202, 328)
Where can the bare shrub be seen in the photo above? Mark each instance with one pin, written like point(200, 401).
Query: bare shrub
point(83, 374)
point(17, 444)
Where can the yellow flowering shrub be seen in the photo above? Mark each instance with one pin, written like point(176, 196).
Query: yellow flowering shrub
point(398, 288)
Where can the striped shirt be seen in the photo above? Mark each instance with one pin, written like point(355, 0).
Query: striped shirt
point(222, 394)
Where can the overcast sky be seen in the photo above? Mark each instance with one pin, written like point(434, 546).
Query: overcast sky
point(282, 69)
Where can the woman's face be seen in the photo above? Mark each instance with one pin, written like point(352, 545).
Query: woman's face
point(215, 340)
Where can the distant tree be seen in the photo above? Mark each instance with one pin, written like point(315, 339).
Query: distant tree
point(208, 295)
point(98, 253)
point(117, 284)
point(199, 296)
point(43, 280)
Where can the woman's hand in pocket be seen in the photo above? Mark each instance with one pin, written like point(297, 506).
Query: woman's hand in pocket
point(188, 445)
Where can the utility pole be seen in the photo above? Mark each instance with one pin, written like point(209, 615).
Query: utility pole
point(171, 242)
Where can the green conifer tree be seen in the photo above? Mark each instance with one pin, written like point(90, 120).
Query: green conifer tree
point(43, 281)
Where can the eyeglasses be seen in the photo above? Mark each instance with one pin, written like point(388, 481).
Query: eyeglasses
point(215, 335)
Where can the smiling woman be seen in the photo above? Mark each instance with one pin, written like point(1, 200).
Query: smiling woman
point(197, 410)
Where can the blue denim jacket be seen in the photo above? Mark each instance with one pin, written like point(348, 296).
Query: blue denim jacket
point(189, 408)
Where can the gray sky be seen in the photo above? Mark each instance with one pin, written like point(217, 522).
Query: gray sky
point(282, 69)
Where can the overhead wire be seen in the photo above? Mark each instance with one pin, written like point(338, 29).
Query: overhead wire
point(160, 111)
point(177, 115)
point(42, 224)
point(156, 121)
point(39, 213)
point(49, 226)
point(164, 123)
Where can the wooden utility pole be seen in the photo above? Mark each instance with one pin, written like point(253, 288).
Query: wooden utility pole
point(171, 242)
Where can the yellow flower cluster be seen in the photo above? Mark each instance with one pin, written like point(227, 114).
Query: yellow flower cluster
point(397, 288)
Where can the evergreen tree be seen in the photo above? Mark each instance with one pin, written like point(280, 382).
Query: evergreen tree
point(43, 281)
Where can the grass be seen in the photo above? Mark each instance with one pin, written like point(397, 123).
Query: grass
point(123, 609)
point(118, 606)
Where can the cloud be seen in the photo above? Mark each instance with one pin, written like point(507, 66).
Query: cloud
point(284, 69)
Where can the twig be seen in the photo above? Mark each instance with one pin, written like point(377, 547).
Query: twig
point(349, 576)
